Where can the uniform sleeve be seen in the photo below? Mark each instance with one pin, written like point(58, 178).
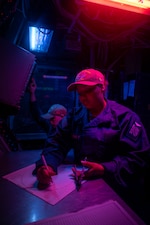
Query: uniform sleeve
point(133, 151)
point(58, 145)
point(36, 113)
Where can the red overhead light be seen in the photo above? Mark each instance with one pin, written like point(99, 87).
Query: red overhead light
point(138, 6)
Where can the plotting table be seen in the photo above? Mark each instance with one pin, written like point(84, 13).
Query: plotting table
point(19, 207)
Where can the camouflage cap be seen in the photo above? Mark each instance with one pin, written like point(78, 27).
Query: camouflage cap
point(89, 77)
point(55, 110)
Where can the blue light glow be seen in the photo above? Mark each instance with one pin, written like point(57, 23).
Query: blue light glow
point(131, 88)
point(39, 39)
point(125, 90)
point(128, 89)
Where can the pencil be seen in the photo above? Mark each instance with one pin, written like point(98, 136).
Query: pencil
point(44, 162)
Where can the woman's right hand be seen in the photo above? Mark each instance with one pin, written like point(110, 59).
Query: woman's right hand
point(44, 176)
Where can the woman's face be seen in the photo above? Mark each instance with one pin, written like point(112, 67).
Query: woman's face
point(90, 96)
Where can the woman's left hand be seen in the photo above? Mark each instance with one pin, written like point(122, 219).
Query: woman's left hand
point(94, 169)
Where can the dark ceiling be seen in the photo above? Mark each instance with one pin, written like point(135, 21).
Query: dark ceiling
point(107, 32)
point(94, 22)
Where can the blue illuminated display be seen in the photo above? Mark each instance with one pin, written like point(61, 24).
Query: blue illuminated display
point(39, 39)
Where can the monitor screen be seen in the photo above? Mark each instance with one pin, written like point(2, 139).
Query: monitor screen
point(128, 89)
point(39, 39)
point(131, 88)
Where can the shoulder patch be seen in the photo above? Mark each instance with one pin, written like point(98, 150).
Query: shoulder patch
point(134, 131)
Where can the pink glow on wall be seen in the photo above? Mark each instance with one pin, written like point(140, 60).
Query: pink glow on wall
point(137, 6)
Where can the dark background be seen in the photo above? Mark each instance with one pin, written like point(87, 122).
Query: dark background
point(115, 41)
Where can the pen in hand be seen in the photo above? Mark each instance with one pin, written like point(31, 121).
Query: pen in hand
point(45, 172)
point(78, 175)
point(44, 175)
point(44, 162)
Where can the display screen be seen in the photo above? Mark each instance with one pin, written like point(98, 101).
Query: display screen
point(39, 39)
point(128, 89)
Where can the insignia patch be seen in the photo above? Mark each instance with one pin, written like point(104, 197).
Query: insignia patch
point(134, 132)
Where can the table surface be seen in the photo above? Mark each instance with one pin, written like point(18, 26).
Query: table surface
point(18, 207)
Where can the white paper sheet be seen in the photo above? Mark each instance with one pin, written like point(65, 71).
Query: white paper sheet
point(62, 184)
point(108, 213)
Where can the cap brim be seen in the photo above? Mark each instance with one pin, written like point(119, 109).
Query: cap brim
point(47, 116)
point(73, 86)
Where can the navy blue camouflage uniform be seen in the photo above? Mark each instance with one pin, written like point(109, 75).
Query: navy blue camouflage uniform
point(36, 113)
point(116, 138)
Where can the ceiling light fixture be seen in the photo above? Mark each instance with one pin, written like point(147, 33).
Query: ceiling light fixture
point(137, 6)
